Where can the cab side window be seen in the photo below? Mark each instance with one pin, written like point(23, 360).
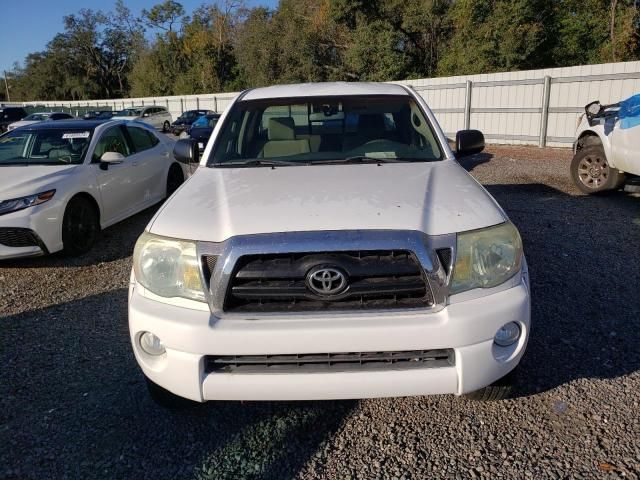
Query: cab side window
point(142, 139)
point(113, 140)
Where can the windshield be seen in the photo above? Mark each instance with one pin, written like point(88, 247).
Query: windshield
point(37, 116)
point(129, 112)
point(44, 147)
point(325, 130)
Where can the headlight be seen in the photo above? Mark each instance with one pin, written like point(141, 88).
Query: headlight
point(486, 258)
point(13, 205)
point(168, 267)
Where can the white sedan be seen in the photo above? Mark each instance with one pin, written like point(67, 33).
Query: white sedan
point(62, 182)
point(39, 117)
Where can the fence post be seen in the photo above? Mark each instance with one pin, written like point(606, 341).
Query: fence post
point(181, 106)
point(215, 104)
point(197, 103)
point(544, 114)
point(467, 105)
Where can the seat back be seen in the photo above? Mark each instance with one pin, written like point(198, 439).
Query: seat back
point(282, 139)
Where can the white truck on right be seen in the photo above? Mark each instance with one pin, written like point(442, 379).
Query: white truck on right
point(607, 147)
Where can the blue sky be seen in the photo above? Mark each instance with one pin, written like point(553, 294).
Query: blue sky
point(27, 26)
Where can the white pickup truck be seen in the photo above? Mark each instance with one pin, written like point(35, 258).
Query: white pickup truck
point(607, 147)
point(329, 246)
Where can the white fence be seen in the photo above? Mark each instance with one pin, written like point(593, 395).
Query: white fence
point(538, 107)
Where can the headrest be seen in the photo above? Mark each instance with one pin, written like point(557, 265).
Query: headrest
point(281, 128)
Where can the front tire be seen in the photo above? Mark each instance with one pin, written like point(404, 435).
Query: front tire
point(80, 226)
point(498, 390)
point(591, 172)
point(175, 178)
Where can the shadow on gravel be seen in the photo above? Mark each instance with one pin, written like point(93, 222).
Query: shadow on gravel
point(472, 161)
point(114, 243)
point(74, 405)
point(583, 259)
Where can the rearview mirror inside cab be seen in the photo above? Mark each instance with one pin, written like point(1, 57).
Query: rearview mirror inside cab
point(186, 151)
point(469, 142)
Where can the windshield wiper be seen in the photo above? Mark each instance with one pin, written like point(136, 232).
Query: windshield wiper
point(361, 159)
point(256, 162)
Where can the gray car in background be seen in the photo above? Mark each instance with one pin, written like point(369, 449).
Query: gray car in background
point(157, 117)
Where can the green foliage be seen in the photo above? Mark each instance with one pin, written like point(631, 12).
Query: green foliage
point(223, 46)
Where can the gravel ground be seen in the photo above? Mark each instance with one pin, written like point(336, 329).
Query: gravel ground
point(73, 402)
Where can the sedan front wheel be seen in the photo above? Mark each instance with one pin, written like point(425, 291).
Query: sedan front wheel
point(80, 226)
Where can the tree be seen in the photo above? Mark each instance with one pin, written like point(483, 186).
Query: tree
point(164, 15)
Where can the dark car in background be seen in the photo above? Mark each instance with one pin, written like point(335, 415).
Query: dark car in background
point(98, 115)
point(184, 121)
point(9, 115)
point(202, 128)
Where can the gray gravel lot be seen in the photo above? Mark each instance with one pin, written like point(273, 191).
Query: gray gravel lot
point(73, 402)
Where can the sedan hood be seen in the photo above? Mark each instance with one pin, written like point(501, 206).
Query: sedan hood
point(435, 198)
point(19, 181)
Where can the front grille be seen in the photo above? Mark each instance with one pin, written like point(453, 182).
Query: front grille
point(330, 362)
point(376, 280)
point(18, 237)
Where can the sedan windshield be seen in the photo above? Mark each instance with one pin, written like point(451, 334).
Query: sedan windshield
point(129, 112)
point(44, 146)
point(349, 129)
point(37, 116)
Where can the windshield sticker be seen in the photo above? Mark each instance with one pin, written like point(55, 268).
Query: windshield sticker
point(75, 135)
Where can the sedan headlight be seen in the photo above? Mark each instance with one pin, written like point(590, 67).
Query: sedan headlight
point(486, 258)
point(15, 204)
point(168, 267)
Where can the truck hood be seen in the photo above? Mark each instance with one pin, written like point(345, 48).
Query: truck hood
point(19, 181)
point(435, 198)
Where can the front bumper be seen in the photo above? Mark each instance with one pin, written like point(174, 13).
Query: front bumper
point(467, 327)
point(44, 222)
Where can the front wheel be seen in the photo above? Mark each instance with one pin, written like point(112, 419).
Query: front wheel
point(498, 390)
point(591, 172)
point(80, 226)
point(165, 127)
point(174, 179)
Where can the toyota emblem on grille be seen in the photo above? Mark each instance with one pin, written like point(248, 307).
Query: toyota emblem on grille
point(327, 281)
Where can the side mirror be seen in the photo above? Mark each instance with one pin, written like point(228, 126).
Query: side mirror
point(186, 151)
point(469, 142)
point(112, 158)
point(594, 108)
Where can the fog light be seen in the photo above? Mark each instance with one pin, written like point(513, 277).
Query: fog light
point(507, 335)
point(151, 344)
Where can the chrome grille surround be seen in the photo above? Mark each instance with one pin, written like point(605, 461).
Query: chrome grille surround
point(230, 251)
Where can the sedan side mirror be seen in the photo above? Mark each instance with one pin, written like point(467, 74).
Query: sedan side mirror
point(186, 151)
point(112, 158)
point(469, 142)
